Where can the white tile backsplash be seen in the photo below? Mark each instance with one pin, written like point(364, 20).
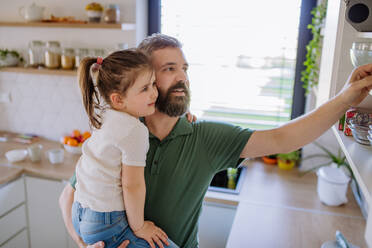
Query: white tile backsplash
point(46, 105)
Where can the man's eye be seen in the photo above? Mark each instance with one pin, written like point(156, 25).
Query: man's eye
point(169, 69)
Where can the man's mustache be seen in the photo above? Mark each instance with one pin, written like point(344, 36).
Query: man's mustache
point(179, 85)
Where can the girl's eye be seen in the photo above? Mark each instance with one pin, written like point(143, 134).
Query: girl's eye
point(145, 88)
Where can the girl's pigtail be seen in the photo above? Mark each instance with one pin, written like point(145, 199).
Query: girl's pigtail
point(88, 79)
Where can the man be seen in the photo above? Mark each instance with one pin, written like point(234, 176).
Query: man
point(183, 157)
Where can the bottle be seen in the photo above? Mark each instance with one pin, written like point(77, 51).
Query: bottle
point(53, 55)
point(68, 59)
point(112, 14)
point(35, 53)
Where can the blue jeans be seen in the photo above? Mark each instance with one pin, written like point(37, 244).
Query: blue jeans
point(109, 227)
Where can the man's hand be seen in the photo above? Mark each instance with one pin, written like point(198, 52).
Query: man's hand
point(151, 234)
point(358, 86)
point(100, 244)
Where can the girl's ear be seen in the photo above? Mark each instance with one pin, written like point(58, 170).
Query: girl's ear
point(117, 101)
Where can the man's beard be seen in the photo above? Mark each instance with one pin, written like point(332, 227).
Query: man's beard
point(174, 106)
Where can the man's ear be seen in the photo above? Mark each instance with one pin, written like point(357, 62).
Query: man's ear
point(117, 101)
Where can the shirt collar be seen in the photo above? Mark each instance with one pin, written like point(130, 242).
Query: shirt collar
point(182, 127)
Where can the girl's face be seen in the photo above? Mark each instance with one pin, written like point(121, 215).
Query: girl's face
point(140, 99)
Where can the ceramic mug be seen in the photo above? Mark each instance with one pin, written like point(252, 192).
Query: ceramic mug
point(34, 152)
point(55, 155)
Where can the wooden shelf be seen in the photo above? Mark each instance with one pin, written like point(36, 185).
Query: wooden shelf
point(121, 26)
point(364, 35)
point(58, 72)
point(360, 160)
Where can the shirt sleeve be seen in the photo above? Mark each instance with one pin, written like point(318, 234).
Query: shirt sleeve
point(135, 146)
point(73, 180)
point(224, 143)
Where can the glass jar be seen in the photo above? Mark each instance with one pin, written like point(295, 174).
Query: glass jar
point(68, 59)
point(52, 55)
point(80, 53)
point(112, 14)
point(35, 53)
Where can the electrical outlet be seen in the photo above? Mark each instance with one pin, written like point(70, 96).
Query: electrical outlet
point(5, 97)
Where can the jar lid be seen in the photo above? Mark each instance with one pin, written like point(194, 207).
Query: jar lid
point(36, 43)
point(69, 50)
point(53, 43)
point(113, 6)
point(333, 175)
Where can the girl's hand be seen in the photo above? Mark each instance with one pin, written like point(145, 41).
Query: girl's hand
point(358, 86)
point(151, 234)
point(190, 117)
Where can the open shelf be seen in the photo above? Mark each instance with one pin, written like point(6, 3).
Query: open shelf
point(59, 72)
point(121, 26)
point(364, 35)
point(360, 160)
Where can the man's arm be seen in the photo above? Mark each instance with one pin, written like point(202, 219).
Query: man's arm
point(65, 203)
point(307, 128)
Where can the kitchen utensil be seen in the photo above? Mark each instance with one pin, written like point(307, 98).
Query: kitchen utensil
point(16, 155)
point(332, 186)
point(32, 13)
point(55, 155)
point(34, 152)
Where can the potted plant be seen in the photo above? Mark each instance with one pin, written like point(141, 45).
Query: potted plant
point(94, 11)
point(333, 177)
point(287, 161)
point(9, 57)
point(270, 159)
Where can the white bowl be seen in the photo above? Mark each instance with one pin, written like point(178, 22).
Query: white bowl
point(16, 155)
point(73, 149)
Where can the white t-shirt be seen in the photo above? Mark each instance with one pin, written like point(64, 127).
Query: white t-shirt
point(121, 139)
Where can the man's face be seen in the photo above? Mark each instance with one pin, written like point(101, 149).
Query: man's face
point(172, 81)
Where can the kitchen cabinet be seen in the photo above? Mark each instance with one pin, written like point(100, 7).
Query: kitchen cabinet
point(46, 225)
point(215, 224)
point(13, 219)
point(334, 70)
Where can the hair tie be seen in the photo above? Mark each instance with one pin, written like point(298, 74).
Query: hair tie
point(99, 60)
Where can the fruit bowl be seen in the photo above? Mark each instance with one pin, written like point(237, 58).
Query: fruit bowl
point(73, 149)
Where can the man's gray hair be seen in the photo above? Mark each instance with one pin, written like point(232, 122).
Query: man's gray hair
point(158, 41)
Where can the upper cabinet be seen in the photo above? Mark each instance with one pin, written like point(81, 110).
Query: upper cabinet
point(335, 68)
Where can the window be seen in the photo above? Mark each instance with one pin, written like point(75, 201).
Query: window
point(242, 57)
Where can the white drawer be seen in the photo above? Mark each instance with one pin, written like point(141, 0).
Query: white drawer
point(12, 223)
point(11, 195)
point(19, 241)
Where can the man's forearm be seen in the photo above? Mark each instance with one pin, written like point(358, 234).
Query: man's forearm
point(65, 202)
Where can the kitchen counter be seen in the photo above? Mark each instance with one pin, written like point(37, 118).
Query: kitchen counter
point(43, 169)
point(275, 208)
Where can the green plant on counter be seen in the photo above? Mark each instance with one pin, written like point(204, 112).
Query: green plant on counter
point(310, 75)
point(338, 159)
point(4, 53)
point(291, 156)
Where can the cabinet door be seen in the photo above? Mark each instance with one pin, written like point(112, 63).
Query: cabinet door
point(215, 224)
point(45, 219)
point(18, 241)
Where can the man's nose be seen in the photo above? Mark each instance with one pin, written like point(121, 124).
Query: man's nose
point(182, 76)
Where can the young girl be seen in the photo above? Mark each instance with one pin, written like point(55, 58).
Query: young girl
point(110, 189)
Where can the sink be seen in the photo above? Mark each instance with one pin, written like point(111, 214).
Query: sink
point(219, 182)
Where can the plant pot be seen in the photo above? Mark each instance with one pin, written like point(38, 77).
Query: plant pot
point(268, 160)
point(9, 60)
point(286, 165)
point(332, 186)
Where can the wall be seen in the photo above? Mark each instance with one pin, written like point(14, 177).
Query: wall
point(50, 105)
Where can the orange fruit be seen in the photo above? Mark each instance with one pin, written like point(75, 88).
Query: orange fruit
point(72, 142)
point(86, 135)
point(65, 139)
point(76, 133)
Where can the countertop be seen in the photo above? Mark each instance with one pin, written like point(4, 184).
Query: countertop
point(275, 208)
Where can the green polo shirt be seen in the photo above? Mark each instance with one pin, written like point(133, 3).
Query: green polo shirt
point(179, 170)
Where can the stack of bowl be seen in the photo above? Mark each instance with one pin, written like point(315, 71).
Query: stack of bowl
point(361, 53)
point(360, 132)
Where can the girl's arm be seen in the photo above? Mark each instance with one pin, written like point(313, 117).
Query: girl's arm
point(134, 193)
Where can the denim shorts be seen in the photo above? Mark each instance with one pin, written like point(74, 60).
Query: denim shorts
point(110, 227)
